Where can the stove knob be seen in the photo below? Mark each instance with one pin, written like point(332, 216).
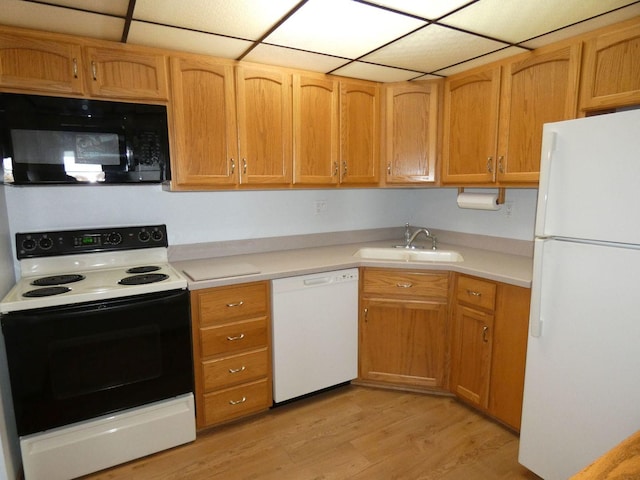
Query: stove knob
point(144, 236)
point(45, 243)
point(157, 235)
point(28, 244)
point(114, 238)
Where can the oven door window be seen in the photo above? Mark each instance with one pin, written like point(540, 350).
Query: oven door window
point(74, 363)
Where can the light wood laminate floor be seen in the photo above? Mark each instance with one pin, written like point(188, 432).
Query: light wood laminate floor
point(348, 433)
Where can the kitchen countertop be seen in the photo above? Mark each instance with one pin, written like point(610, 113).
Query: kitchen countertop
point(229, 270)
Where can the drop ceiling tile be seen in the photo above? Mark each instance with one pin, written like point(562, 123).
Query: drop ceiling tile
point(112, 7)
point(375, 73)
point(19, 13)
point(247, 19)
point(431, 10)
point(432, 48)
point(152, 35)
point(341, 27)
point(587, 26)
point(518, 20)
point(292, 58)
point(492, 57)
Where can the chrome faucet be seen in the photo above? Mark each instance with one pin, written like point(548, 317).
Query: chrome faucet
point(410, 237)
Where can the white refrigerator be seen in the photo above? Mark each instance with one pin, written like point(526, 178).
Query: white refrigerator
point(582, 382)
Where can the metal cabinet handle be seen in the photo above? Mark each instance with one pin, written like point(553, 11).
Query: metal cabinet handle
point(237, 370)
point(94, 70)
point(344, 168)
point(490, 164)
point(404, 285)
point(237, 337)
point(237, 402)
point(244, 166)
point(485, 329)
point(75, 68)
point(237, 304)
point(474, 294)
point(501, 163)
point(233, 166)
point(366, 314)
point(389, 169)
point(335, 169)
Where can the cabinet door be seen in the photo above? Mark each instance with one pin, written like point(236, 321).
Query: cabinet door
point(472, 355)
point(411, 132)
point(359, 132)
point(264, 125)
point(117, 73)
point(316, 132)
point(403, 342)
point(538, 89)
point(470, 127)
point(41, 65)
point(611, 70)
point(509, 353)
point(204, 116)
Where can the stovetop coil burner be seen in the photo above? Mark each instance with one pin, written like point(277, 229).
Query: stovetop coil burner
point(57, 280)
point(143, 269)
point(144, 278)
point(46, 292)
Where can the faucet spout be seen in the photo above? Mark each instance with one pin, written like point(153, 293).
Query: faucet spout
point(427, 233)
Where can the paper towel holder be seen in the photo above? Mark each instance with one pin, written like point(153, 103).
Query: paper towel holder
point(499, 200)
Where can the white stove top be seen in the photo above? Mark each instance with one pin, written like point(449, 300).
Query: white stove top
point(102, 272)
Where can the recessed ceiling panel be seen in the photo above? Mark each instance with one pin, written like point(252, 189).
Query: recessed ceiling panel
point(247, 19)
point(432, 48)
point(19, 13)
point(152, 35)
point(376, 73)
point(341, 27)
point(519, 20)
point(432, 9)
point(112, 7)
point(492, 57)
point(292, 58)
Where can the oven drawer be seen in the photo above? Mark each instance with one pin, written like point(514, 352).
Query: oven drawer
point(233, 337)
point(224, 304)
point(237, 401)
point(227, 371)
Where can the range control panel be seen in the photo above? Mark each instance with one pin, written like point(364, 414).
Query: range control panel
point(67, 242)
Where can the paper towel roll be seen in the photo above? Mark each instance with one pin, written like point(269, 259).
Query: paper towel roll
point(478, 201)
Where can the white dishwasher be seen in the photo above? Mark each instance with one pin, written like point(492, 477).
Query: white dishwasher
point(315, 332)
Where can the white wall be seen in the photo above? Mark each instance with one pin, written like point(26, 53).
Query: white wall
point(193, 217)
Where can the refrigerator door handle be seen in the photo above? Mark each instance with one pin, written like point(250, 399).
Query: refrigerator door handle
point(548, 147)
point(535, 322)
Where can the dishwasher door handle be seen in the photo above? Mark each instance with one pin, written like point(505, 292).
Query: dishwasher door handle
point(310, 282)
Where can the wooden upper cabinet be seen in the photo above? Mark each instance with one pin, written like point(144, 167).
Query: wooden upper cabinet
point(204, 152)
point(359, 132)
point(316, 130)
point(611, 69)
point(411, 123)
point(540, 88)
point(127, 74)
point(41, 65)
point(470, 127)
point(264, 126)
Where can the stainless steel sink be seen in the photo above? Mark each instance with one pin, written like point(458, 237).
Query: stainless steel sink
point(409, 255)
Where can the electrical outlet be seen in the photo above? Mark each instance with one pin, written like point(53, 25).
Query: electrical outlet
point(508, 209)
point(320, 206)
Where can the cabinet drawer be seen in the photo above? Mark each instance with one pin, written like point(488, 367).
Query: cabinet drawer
point(236, 402)
point(224, 304)
point(476, 292)
point(235, 369)
point(233, 337)
point(406, 284)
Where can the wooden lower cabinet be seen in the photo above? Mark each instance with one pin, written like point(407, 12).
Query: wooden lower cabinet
point(404, 328)
point(232, 352)
point(489, 346)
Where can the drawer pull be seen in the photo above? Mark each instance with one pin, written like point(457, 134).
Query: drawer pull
point(237, 304)
point(94, 71)
point(485, 329)
point(237, 370)
point(404, 285)
point(237, 337)
point(474, 294)
point(237, 402)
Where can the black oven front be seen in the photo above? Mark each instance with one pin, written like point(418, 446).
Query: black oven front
point(78, 362)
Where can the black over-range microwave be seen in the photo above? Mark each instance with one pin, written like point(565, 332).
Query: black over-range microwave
point(51, 140)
